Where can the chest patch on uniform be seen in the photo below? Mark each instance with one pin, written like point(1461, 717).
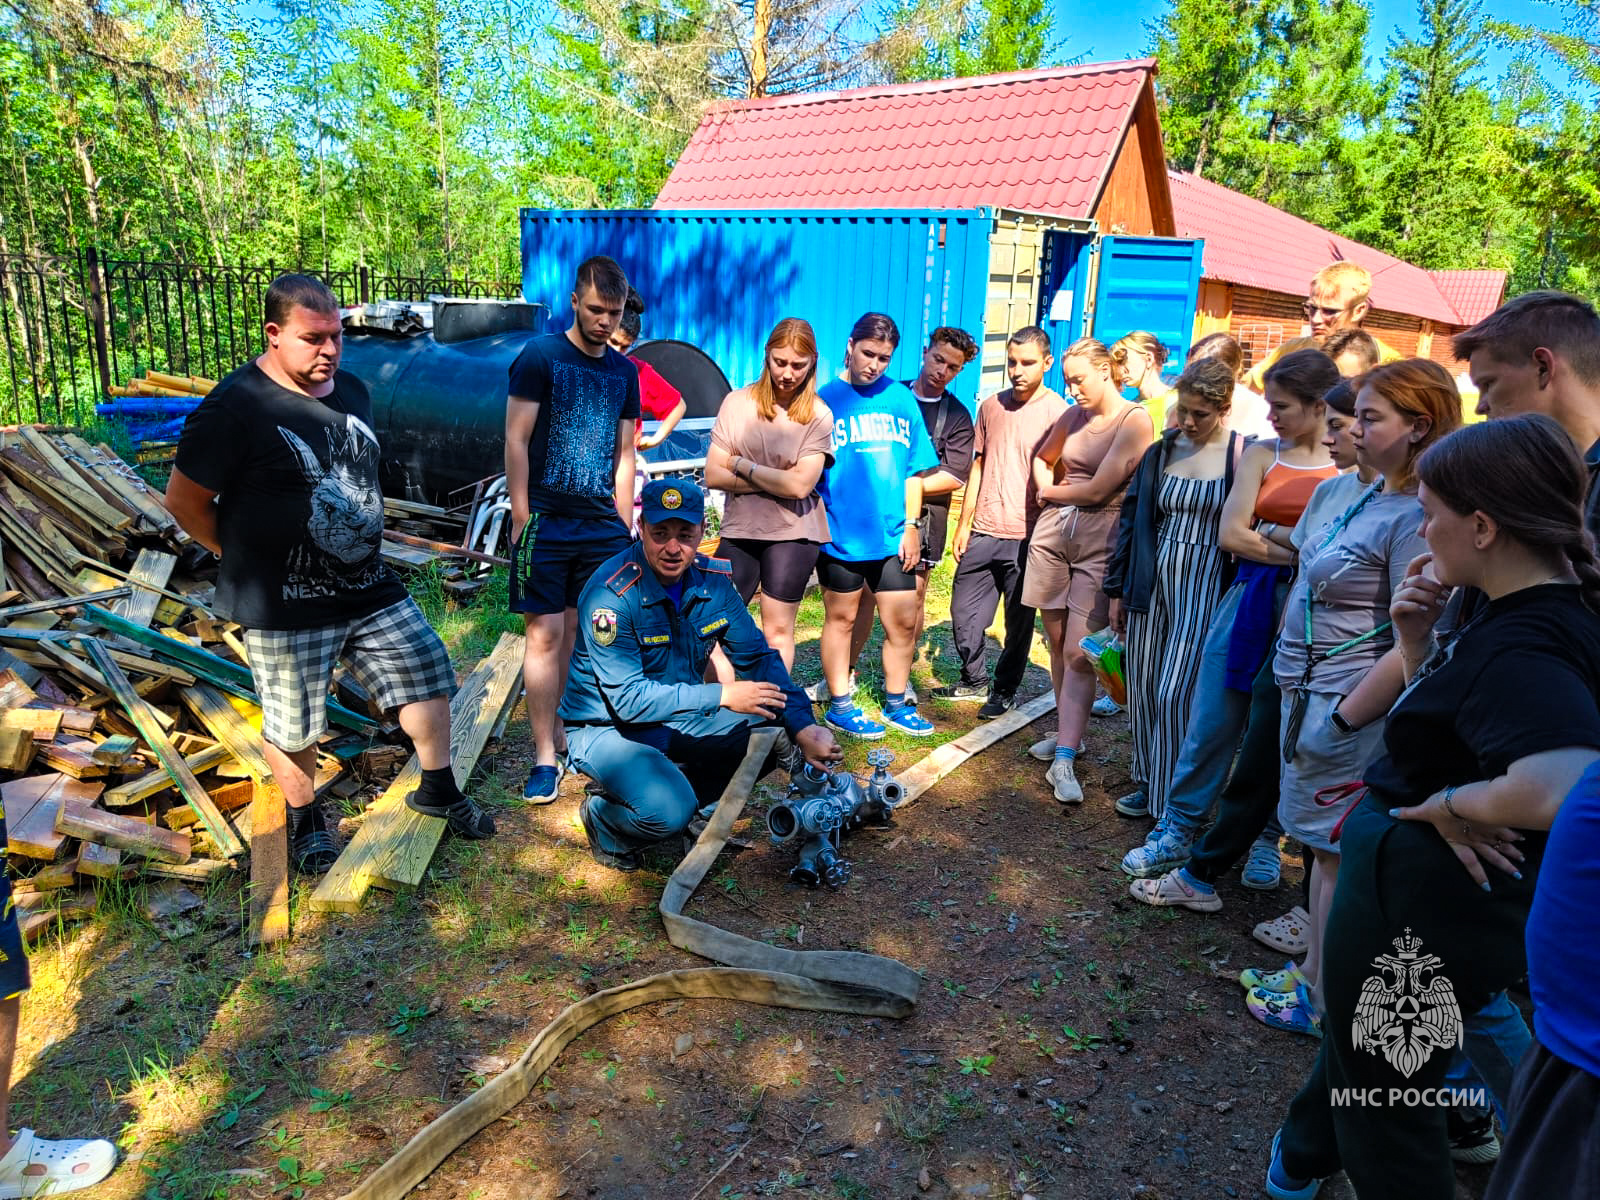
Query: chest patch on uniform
point(655, 639)
point(719, 623)
point(603, 625)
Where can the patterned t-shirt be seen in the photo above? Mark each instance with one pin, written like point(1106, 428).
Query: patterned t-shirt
point(571, 463)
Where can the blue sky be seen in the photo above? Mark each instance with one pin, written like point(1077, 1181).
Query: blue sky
point(1095, 30)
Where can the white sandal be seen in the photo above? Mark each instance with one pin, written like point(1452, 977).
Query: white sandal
point(1286, 934)
point(69, 1166)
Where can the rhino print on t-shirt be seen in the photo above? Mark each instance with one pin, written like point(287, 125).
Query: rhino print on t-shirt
point(346, 521)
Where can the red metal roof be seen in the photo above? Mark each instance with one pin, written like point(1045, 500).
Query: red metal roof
point(1252, 243)
point(1473, 294)
point(1039, 141)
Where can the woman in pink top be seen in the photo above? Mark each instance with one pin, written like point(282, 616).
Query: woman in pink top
point(1082, 470)
point(770, 445)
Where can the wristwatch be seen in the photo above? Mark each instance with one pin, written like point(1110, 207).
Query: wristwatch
point(914, 522)
point(1336, 719)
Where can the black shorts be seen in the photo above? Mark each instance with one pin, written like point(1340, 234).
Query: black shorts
point(14, 977)
point(780, 569)
point(881, 575)
point(554, 558)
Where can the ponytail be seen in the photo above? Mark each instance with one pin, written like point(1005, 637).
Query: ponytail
point(1580, 554)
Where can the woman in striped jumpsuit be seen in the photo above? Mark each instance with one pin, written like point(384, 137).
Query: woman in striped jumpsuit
point(1168, 571)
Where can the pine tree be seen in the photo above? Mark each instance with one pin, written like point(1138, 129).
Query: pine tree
point(1209, 53)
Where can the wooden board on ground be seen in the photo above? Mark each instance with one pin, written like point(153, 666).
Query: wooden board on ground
point(17, 749)
point(104, 862)
point(269, 865)
point(116, 750)
point(936, 765)
point(73, 757)
point(158, 780)
point(31, 807)
point(223, 722)
point(122, 833)
point(230, 797)
point(394, 845)
point(142, 714)
point(151, 571)
point(42, 723)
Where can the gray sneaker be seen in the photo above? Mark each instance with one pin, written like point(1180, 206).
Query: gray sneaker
point(1064, 780)
point(1045, 748)
point(1162, 851)
point(1134, 804)
point(818, 691)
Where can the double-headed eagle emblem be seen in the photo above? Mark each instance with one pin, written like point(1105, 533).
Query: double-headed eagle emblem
point(1407, 1010)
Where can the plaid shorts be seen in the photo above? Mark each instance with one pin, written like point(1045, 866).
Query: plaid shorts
point(393, 653)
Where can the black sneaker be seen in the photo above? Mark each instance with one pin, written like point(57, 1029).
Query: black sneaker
point(1472, 1136)
point(617, 862)
point(962, 691)
point(997, 705)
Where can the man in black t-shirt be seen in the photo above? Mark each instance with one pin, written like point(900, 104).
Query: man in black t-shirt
point(277, 474)
point(572, 404)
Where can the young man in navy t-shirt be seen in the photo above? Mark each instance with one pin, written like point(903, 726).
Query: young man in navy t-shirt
point(571, 408)
point(873, 494)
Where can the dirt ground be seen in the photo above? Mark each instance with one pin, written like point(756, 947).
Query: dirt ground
point(1069, 1042)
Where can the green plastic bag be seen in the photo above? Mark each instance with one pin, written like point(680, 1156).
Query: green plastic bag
point(1104, 651)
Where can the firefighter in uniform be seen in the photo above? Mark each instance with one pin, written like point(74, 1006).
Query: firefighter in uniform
point(642, 722)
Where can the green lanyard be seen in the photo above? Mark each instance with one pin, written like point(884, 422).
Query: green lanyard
point(1314, 659)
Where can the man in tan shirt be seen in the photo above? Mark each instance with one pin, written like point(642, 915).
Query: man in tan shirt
point(991, 542)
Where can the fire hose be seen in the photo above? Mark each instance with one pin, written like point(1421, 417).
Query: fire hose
point(815, 980)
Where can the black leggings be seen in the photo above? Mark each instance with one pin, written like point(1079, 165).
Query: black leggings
point(780, 569)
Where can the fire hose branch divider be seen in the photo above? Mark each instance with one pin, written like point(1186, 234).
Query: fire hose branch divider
point(815, 980)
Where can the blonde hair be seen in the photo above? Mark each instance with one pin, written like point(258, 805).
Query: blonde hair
point(1342, 275)
point(793, 333)
point(1143, 343)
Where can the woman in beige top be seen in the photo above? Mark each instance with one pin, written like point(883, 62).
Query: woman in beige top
point(769, 447)
point(1082, 470)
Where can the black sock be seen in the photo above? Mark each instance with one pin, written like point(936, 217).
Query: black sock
point(438, 788)
point(307, 819)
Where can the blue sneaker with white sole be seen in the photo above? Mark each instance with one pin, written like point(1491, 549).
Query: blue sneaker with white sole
point(908, 720)
point(543, 784)
point(854, 722)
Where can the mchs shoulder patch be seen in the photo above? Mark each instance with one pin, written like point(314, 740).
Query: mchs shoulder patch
point(603, 626)
point(625, 577)
point(717, 566)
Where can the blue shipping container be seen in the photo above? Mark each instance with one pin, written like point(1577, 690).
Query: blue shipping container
point(721, 280)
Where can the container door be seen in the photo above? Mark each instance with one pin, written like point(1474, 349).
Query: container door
point(1066, 277)
point(1151, 284)
point(1012, 295)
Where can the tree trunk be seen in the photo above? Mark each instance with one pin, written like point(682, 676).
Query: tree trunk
point(758, 47)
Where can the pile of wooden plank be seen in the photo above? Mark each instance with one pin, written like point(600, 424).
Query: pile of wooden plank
point(129, 731)
point(418, 535)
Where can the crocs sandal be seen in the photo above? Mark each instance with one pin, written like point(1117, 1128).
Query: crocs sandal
point(908, 720)
point(1286, 934)
point(314, 852)
point(854, 722)
point(1288, 1011)
point(1171, 891)
point(1285, 980)
point(464, 817)
point(35, 1166)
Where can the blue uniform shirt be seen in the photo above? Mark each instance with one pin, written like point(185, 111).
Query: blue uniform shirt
point(640, 659)
point(879, 441)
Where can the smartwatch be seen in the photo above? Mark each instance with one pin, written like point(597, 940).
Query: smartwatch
point(1336, 719)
